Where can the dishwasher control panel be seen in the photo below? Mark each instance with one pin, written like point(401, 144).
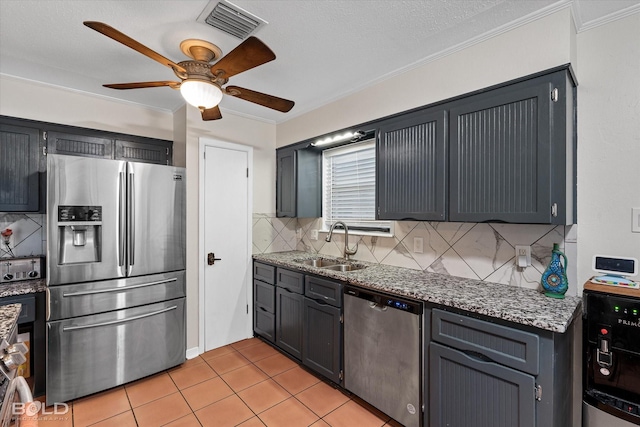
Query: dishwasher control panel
point(383, 300)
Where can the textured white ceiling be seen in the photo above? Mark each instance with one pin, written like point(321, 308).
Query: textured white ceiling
point(325, 48)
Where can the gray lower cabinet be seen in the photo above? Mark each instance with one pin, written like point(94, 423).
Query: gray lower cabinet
point(20, 168)
point(467, 391)
point(264, 301)
point(289, 307)
point(322, 327)
point(493, 373)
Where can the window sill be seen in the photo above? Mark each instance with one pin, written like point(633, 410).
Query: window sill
point(361, 232)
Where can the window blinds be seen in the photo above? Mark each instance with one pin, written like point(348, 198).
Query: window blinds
point(350, 186)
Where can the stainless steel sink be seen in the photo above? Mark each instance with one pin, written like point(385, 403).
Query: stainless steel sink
point(319, 262)
point(345, 267)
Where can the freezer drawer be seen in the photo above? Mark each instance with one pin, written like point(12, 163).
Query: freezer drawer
point(93, 353)
point(84, 299)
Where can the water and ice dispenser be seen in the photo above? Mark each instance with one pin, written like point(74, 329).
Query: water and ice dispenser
point(79, 234)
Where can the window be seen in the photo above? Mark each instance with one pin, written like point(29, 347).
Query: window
point(349, 188)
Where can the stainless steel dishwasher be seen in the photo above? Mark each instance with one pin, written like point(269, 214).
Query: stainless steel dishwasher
point(382, 352)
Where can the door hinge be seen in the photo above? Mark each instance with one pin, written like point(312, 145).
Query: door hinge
point(44, 151)
point(204, 155)
point(247, 308)
point(554, 95)
point(44, 135)
point(341, 375)
point(247, 172)
point(554, 210)
point(538, 390)
point(342, 318)
point(167, 151)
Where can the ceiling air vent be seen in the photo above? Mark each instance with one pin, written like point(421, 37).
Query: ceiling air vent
point(230, 19)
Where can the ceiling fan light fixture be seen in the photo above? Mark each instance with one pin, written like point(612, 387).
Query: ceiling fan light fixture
point(201, 93)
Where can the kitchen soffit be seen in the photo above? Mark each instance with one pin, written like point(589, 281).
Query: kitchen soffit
point(325, 49)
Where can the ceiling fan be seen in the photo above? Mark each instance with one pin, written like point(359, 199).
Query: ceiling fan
point(201, 81)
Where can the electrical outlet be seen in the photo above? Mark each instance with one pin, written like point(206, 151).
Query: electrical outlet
point(418, 245)
point(313, 235)
point(523, 256)
point(298, 233)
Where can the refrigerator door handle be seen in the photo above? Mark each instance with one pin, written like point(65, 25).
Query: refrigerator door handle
point(131, 220)
point(120, 289)
point(115, 322)
point(122, 213)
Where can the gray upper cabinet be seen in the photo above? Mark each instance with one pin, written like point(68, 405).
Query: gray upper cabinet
point(20, 167)
point(286, 183)
point(298, 183)
point(411, 162)
point(159, 152)
point(79, 145)
point(512, 153)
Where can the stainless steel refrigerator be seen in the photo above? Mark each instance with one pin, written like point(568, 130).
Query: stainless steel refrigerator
point(115, 273)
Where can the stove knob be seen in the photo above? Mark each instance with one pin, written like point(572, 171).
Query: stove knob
point(8, 276)
point(32, 274)
point(13, 360)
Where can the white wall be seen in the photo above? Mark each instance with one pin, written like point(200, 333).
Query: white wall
point(534, 47)
point(608, 141)
point(30, 100)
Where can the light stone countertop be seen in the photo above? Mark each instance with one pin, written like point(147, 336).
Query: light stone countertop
point(23, 287)
point(506, 302)
point(8, 318)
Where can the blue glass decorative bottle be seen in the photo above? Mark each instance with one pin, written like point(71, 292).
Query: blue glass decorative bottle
point(554, 279)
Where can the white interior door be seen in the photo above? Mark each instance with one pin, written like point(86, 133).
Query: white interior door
point(226, 228)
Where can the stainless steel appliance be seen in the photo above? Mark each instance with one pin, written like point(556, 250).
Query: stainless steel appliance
point(23, 268)
point(115, 267)
point(383, 352)
point(612, 357)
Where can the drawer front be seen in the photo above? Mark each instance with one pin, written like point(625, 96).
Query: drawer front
point(264, 272)
point(264, 295)
point(327, 291)
point(509, 347)
point(290, 280)
point(264, 324)
point(28, 309)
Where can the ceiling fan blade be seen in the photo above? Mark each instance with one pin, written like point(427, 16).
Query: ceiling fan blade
point(263, 99)
point(248, 54)
point(128, 41)
point(140, 85)
point(211, 113)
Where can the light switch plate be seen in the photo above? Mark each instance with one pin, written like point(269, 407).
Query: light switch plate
point(635, 217)
point(418, 245)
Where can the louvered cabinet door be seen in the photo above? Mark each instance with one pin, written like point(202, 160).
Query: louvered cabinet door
point(19, 168)
point(500, 155)
point(79, 145)
point(411, 162)
point(158, 152)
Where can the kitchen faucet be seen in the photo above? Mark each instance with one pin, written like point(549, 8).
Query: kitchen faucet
point(347, 251)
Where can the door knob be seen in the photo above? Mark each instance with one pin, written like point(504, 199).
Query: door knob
point(211, 258)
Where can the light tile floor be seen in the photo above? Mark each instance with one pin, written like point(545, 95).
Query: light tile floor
point(247, 383)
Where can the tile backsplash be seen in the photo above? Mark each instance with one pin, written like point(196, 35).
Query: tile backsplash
point(29, 234)
point(471, 250)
